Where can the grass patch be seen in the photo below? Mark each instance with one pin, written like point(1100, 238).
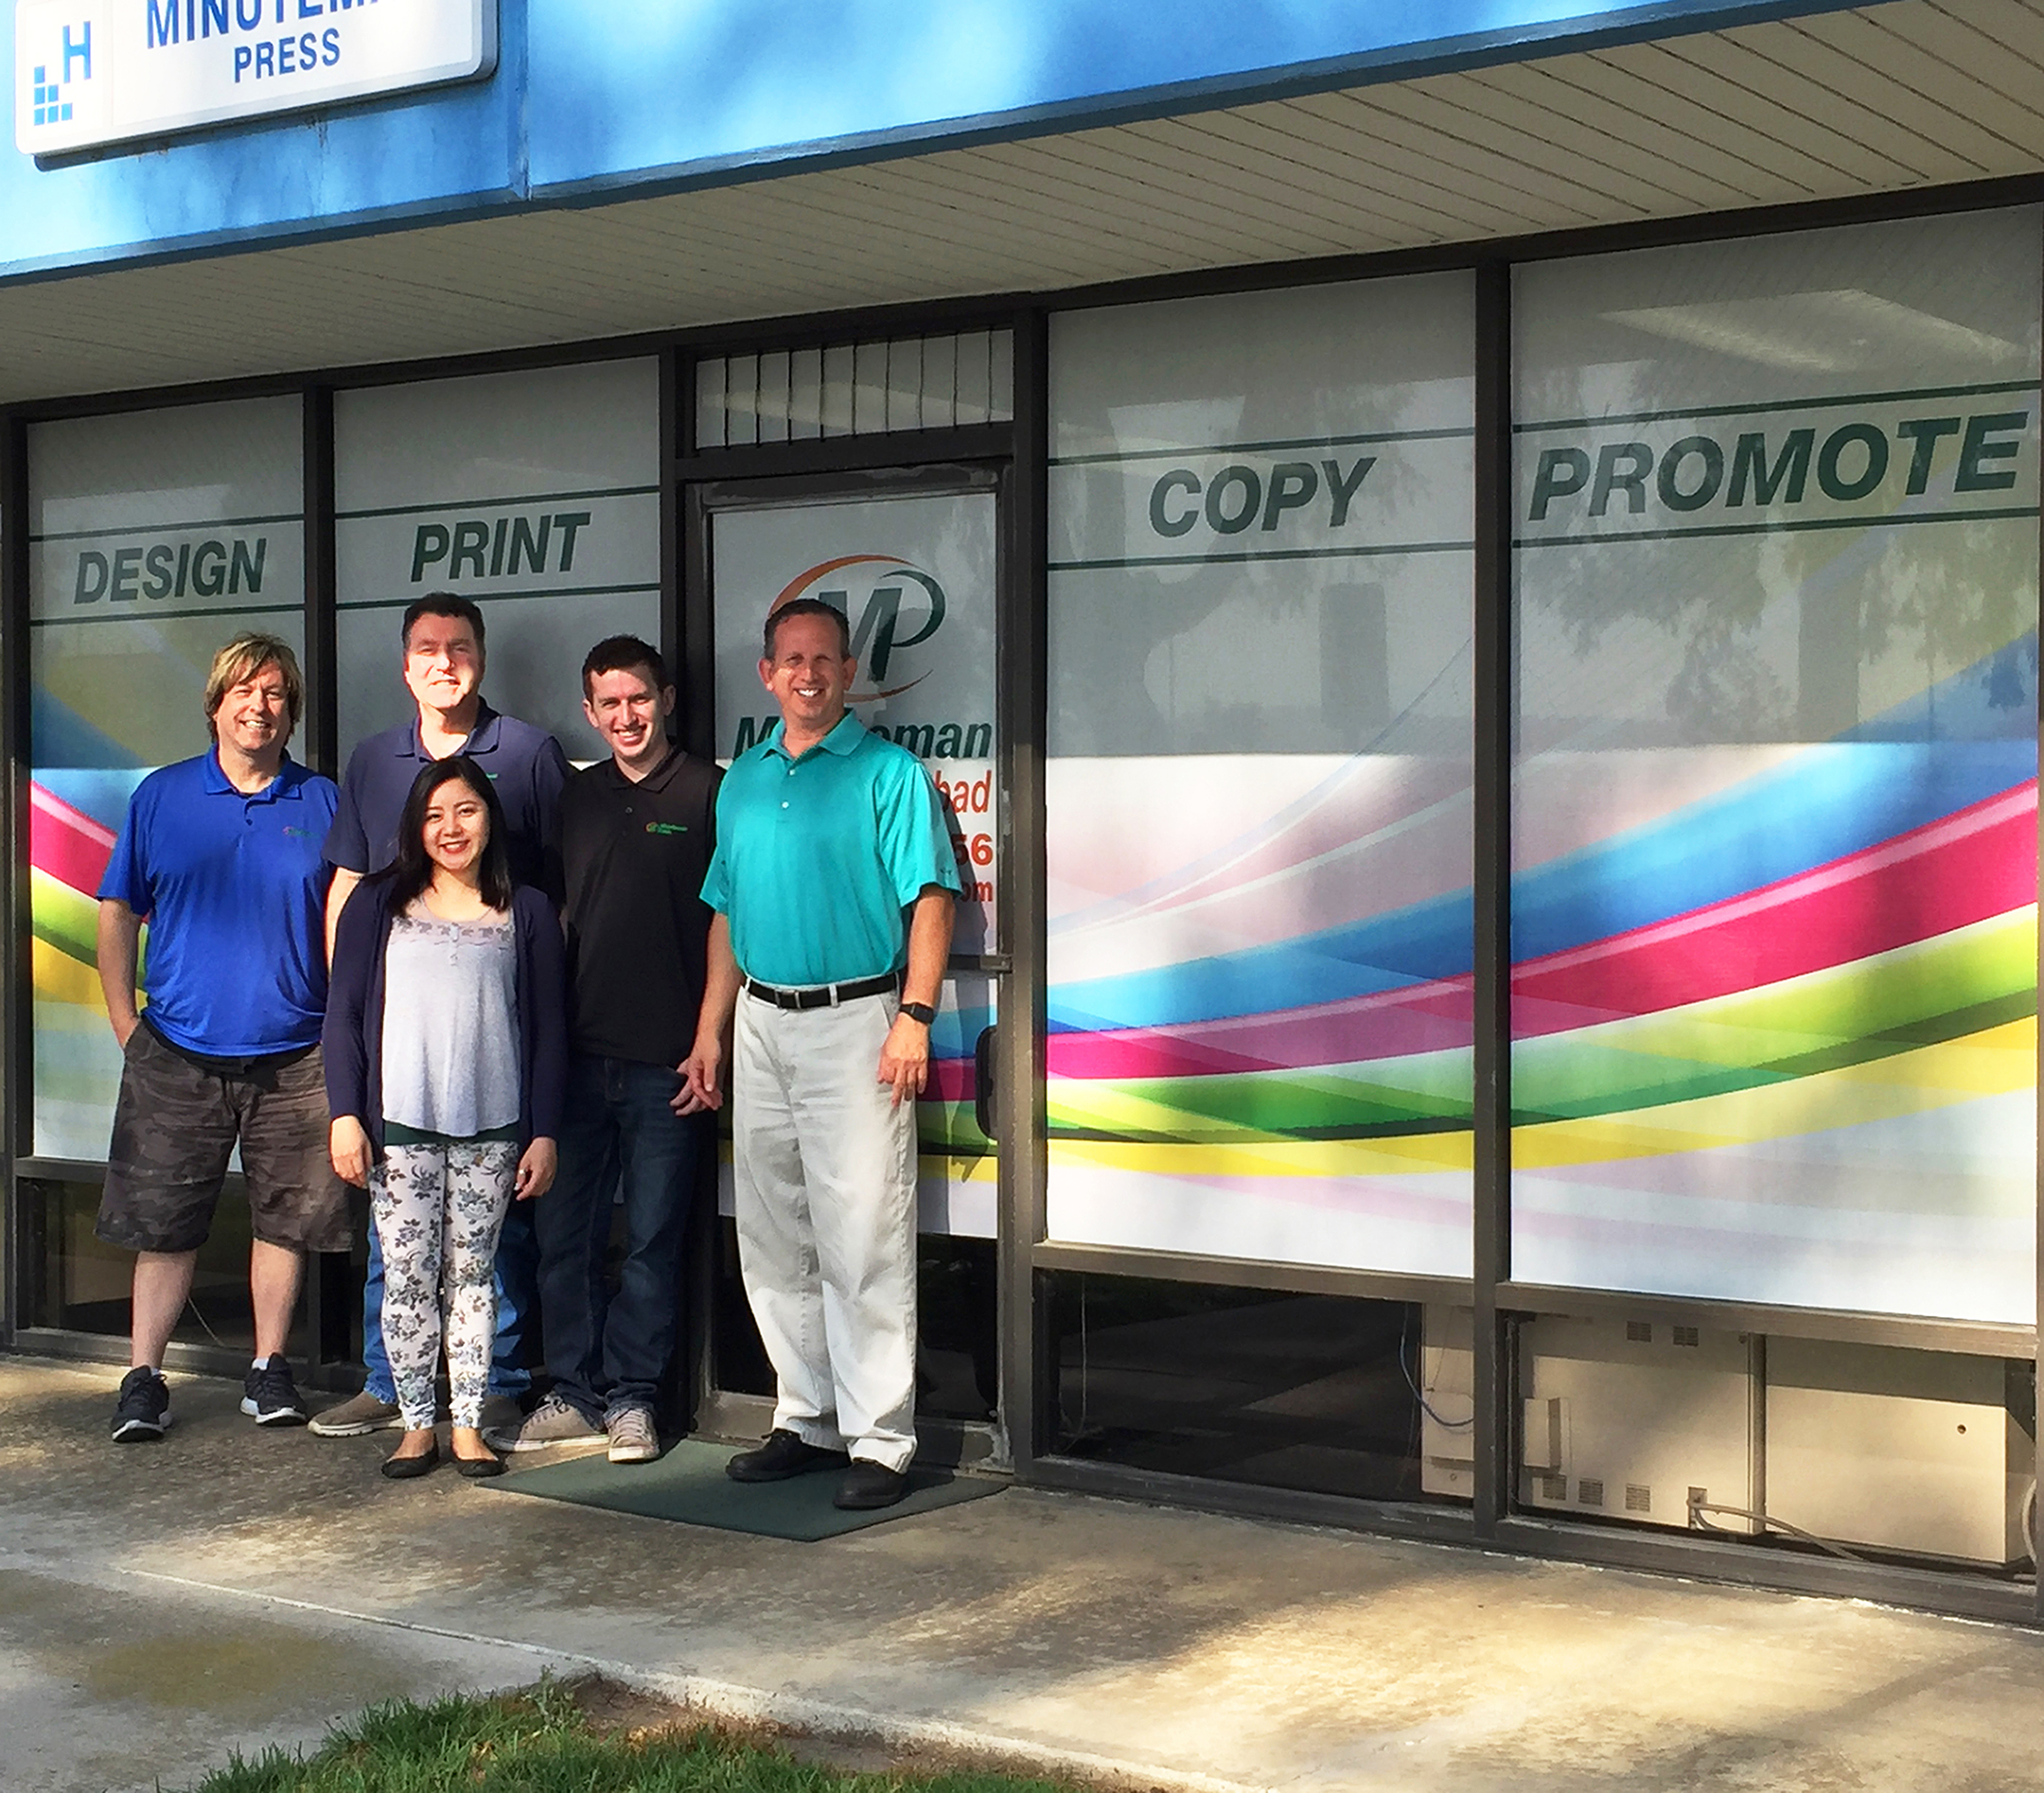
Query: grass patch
point(545, 1740)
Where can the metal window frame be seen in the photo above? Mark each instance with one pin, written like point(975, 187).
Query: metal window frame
point(1026, 1258)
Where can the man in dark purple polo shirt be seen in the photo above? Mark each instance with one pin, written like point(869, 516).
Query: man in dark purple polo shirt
point(443, 639)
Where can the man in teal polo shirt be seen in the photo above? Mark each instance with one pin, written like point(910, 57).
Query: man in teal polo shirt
point(833, 885)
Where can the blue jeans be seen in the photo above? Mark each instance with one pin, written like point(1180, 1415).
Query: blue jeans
point(518, 1299)
point(606, 1352)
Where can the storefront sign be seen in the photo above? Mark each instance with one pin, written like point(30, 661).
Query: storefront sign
point(94, 72)
point(1938, 456)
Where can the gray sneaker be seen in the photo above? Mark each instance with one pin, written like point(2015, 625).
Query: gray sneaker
point(634, 1438)
point(357, 1415)
point(552, 1422)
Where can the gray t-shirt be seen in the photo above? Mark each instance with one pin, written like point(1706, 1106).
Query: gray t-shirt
point(451, 1031)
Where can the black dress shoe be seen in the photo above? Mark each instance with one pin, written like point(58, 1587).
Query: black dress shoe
point(422, 1463)
point(867, 1485)
point(783, 1454)
point(478, 1468)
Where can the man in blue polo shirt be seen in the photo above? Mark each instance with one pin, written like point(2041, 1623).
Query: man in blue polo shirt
point(833, 884)
point(442, 636)
point(221, 856)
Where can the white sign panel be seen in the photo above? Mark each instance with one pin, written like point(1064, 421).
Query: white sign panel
point(914, 576)
point(93, 72)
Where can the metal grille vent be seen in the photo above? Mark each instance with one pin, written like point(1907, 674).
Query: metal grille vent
point(856, 389)
point(1689, 1335)
point(1554, 1487)
point(1638, 1333)
point(1638, 1499)
point(1589, 1493)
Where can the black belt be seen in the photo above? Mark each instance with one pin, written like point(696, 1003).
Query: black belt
point(824, 996)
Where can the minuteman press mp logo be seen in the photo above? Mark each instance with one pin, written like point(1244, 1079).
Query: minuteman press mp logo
point(910, 687)
point(891, 603)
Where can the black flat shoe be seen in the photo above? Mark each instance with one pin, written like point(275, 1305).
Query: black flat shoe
point(407, 1468)
point(867, 1485)
point(783, 1454)
point(478, 1468)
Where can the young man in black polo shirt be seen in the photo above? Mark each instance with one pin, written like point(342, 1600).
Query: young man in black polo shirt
point(636, 833)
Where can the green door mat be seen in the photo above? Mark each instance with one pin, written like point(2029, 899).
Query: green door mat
point(689, 1485)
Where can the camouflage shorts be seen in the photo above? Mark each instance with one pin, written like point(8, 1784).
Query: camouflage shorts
point(176, 1125)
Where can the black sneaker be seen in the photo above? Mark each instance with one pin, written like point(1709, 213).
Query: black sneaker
point(142, 1413)
point(269, 1396)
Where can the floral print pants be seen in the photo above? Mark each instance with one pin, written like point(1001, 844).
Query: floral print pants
point(438, 1210)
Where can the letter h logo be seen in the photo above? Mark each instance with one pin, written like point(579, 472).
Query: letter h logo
point(50, 106)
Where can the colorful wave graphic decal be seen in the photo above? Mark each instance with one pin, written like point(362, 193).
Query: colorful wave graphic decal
point(1751, 950)
point(67, 855)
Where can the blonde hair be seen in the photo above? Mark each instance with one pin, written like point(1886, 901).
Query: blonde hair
point(242, 658)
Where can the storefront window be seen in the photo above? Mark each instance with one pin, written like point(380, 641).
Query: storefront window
point(535, 494)
point(1259, 791)
point(154, 537)
point(1774, 804)
point(1256, 1385)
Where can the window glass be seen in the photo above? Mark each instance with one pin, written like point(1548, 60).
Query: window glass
point(917, 382)
point(154, 536)
point(1774, 830)
point(1784, 1443)
point(915, 579)
point(535, 494)
point(1258, 1385)
point(1258, 790)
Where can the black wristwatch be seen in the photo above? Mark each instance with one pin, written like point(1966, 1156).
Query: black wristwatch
point(919, 1011)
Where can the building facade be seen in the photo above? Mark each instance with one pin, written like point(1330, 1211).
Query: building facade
point(1470, 581)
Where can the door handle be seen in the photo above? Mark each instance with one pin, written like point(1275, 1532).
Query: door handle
point(983, 1081)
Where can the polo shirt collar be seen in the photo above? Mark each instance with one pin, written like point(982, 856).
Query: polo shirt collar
point(218, 784)
point(842, 740)
point(656, 780)
point(482, 738)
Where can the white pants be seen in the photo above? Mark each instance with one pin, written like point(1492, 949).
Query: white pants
point(826, 1206)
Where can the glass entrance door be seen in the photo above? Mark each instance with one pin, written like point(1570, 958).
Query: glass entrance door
point(916, 576)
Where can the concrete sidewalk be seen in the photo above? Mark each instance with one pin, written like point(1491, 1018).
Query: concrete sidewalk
point(160, 1605)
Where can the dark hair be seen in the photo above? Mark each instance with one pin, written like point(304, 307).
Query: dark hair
point(806, 606)
point(623, 654)
point(440, 604)
point(413, 869)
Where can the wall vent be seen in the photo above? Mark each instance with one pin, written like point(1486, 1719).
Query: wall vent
point(1589, 1492)
point(1638, 1499)
point(856, 389)
point(1638, 1333)
point(1554, 1487)
point(1687, 1335)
